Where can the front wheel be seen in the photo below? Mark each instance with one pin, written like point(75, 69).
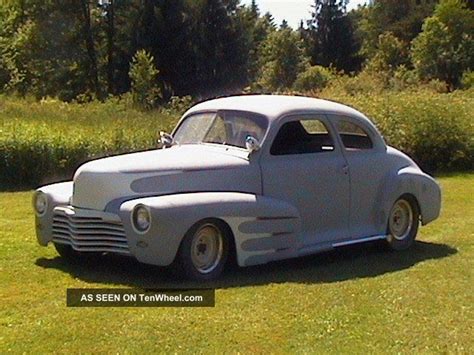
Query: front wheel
point(69, 254)
point(403, 223)
point(204, 250)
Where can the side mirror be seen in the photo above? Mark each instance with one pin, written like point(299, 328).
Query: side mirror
point(252, 144)
point(166, 140)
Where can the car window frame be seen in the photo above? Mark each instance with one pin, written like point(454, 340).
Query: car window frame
point(306, 116)
point(264, 119)
point(373, 135)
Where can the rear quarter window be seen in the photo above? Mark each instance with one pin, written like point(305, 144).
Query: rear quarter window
point(353, 136)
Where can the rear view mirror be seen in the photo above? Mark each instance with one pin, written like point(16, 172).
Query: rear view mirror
point(166, 140)
point(252, 144)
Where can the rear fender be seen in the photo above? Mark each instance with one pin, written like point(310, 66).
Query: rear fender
point(411, 180)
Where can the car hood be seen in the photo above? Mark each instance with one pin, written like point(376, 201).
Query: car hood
point(105, 184)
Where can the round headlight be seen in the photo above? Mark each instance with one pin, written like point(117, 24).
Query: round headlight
point(141, 218)
point(40, 203)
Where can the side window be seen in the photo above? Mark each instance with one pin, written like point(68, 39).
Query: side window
point(353, 136)
point(302, 137)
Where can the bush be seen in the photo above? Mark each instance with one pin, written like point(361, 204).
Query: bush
point(314, 78)
point(390, 54)
point(437, 86)
point(364, 83)
point(403, 79)
point(467, 81)
point(178, 104)
point(282, 59)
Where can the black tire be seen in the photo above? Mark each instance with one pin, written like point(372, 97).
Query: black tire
point(69, 254)
point(400, 234)
point(186, 262)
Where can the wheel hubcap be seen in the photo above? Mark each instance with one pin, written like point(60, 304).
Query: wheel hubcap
point(207, 248)
point(401, 220)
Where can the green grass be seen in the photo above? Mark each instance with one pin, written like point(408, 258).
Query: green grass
point(354, 300)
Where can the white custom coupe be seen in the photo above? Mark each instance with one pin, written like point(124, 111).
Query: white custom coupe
point(262, 178)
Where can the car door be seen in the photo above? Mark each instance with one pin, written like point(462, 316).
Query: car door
point(304, 165)
point(365, 154)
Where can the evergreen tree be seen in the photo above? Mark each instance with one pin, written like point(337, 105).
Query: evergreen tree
point(144, 80)
point(219, 48)
point(166, 29)
point(284, 25)
point(332, 36)
point(255, 29)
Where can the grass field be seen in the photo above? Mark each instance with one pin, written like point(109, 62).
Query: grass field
point(355, 300)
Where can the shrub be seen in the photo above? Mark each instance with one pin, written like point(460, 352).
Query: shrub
point(178, 104)
point(314, 78)
point(467, 81)
point(437, 86)
point(143, 75)
point(282, 59)
point(403, 78)
point(389, 55)
point(365, 82)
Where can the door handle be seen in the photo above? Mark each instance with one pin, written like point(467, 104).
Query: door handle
point(345, 169)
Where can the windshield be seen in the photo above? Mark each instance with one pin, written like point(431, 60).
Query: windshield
point(223, 127)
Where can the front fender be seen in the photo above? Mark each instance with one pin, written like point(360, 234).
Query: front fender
point(261, 226)
point(58, 194)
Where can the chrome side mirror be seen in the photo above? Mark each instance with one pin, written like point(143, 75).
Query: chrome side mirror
point(252, 144)
point(166, 140)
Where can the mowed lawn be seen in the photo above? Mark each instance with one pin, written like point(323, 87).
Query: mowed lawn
point(354, 300)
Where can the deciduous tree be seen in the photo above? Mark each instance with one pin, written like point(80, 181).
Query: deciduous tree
point(445, 48)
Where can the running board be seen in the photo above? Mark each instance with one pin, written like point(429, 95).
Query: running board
point(326, 246)
point(357, 241)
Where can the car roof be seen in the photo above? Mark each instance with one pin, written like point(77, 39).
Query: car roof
point(275, 106)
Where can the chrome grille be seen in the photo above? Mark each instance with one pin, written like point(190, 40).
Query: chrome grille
point(89, 234)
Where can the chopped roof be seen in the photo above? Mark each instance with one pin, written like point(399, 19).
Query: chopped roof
point(274, 106)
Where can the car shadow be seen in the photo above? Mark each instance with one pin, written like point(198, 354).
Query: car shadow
point(358, 261)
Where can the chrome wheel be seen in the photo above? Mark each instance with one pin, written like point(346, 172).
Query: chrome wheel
point(207, 248)
point(401, 219)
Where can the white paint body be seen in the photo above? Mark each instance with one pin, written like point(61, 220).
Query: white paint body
point(277, 206)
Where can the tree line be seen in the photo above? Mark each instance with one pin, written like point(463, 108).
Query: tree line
point(93, 49)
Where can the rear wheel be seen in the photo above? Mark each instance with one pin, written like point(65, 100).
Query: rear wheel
point(403, 223)
point(204, 250)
